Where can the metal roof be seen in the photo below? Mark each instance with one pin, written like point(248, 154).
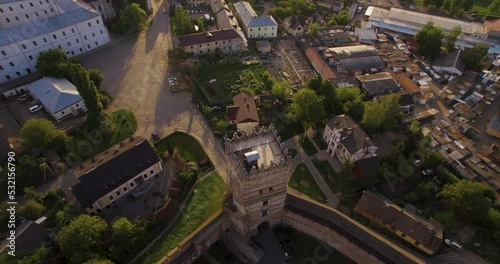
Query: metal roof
point(362, 63)
point(250, 18)
point(55, 94)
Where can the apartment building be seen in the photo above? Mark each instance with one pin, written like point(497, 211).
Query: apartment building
point(72, 26)
point(255, 26)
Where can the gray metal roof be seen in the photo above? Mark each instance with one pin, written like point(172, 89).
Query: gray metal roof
point(362, 63)
point(75, 14)
point(495, 123)
point(250, 18)
point(54, 94)
point(450, 59)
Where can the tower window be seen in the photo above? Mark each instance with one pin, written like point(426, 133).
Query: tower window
point(265, 202)
point(263, 213)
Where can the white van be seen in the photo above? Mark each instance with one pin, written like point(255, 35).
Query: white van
point(453, 244)
point(36, 108)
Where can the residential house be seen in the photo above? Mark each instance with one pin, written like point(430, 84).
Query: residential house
point(227, 40)
point(38, 26)
point(355, 59)
point(450, 63)
point(59, 97)
point(407, 223)
point(318, 19)
point(296, 25)
point(243, 112)
point(493, 128)
point(223, 15)
point(334, 37)
point(130, 167)
point(334, 5)
point(255, 26)
point(347, 141)
point(366, 35)
point(378, 84)
point(30, 235)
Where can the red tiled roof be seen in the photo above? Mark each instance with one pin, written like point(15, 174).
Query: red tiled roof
point(247, 110)
point(319, 64)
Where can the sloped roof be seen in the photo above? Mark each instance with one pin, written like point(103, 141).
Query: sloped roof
point(366, 167)
point(361, 63)
point(429, 233)
point(377, 81)
point(55, 94)
point(357, 51)
point(495, 123)
point(205, 37)
point(319, 64)
point(294, 22)
point(29, 235)
point(247, 110)
point(250, 18)
point(450, 60)
point(111, 168)
point(365, 34)
point(353, 137)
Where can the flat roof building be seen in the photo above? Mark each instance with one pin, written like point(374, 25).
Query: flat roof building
point(378, 84)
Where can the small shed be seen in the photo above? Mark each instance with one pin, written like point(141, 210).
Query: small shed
point(263, 46)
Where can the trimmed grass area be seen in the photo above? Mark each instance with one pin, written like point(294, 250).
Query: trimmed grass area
point(124, 126)
point(328, 173)
point(292, 152)
point(308, 146)
point(303, 181)
point(205, 202)
point(187, 147)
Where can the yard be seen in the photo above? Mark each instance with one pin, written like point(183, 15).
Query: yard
point(328, 173)
point(320, 142)
point(303, 181)
point(204, 203)
point(481, 6)
point(124, 125)
point(308, 146)
point(187, 147)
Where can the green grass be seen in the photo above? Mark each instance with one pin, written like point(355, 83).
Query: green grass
point(308, 146)
point(148, 24)
point(303, 181)
point(205, 202)
point(292, 152)
point(81, 146)
point(481, 6)
point(187, 147)
point(328, 173)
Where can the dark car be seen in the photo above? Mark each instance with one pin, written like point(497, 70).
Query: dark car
point(155, 137)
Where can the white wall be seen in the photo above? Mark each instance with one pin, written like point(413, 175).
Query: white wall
point(105, 7)
point(225, 46)
point(68, 111)
point(22, 12)
point(262, 32)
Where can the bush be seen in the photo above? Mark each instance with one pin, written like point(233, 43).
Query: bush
point(107, 126)
point(32, 210)
point(105, 101)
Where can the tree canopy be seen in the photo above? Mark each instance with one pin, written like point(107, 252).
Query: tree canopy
point(32, 210)
point(494, 7)
point(181, 22)
point(177, 55)
point(125, 234)
point(81, 240)
point(451, 38)
point(96, 77)
point(382, 115)
point(40, 133)
point(436, 3)
point(87, 89)
point(469, 200)
point(306, 107)
point(132, 17)
point(430, 40)
point(281, 90)
point(314, 30)
point(351, 100)
point(52, 63)
point(474, 57)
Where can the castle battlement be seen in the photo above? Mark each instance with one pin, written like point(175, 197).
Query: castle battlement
point(259, 152)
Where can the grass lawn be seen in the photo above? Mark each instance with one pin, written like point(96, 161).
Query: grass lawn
point(205, 202)
point(328, 173)
point(320, 142)
point(303, 181)
point(187, 147)
point(292, 152)
point(124, 126)
point(308, 146)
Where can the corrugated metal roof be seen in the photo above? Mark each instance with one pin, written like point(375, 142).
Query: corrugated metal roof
point(361, 63)
point(54, 94)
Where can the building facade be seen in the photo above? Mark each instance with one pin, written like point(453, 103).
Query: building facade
point(116, 173)
point(73, 27)
point(255, 26)
point(227, 40)
point(347, 141)
point(105, 7)
point(258, 176)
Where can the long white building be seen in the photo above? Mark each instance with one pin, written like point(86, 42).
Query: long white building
point(255, 26)
point(32, 26)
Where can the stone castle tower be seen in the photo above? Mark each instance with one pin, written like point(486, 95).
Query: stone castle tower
point(257, 179)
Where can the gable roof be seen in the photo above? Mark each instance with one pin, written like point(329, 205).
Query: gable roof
point(294, 22)
point(247, 110)
point(366, 167)
point(352, 136)
point(450, 60)
point(429, 233)
point(205, 37)
point(495, 122)
point(365, 34)
point(29, 235)
point(357, 51)
point(250, 18)
point(406, 83)
point(111, 168)
point(317, 18)
point(55, 94)
point(379, 81)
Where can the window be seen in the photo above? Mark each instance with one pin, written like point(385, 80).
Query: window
point(45, 11)
point(62, 112)
point(85, 37)
point(216, 43)
point(59, 46)
point(64, 33)
point(81, 50)
point(31, 4)
point(98, 210)
point(93, 34)
point(251, 29)
point(96, 43)
point(259, 29)
point(89, 24)
point(21, 6)
point(11, 64)
point(151, 172)
point(124, 188)
point(52, 10)
point(1, 68)
point(34, 43)
point(101, 31)
point(77, 41)
point(27, 16)
point(7, 77)
point(72, 30)
point(10, 8)
point(69, 44)
point(3, 52)
point(131, 184)
point(54, 36)
point(263, 213)
point(199, 46)
point(118, 193)
point(88, 46)
point(111, 198)
point(265, 202)
point(91, 207)
point(191, 47)
point(76, 105)
point(270, 189)
point(208, 44)
point(30, 57)
point(261, 191)
point(18, 73)
point(28, 70)
point(97, 21)
point(145, 176)
point(40, 2)
point(16, 18)
point(24, 46)
point(45, 40)
point(8, 20)
point(1, 10)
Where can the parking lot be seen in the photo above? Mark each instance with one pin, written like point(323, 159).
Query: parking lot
point(19, 108)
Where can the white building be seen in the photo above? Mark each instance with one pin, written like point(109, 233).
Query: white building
point(347, 140)
point(105, 7)
point(73, 26)
point(255, 26)
point(59, 97)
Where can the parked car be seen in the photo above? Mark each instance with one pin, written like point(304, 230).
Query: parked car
point(23, 97)
point(359, 9)
point(164, 11)
point(36, 108)
point(412, 8)
point(427, 172)
point(453, 244)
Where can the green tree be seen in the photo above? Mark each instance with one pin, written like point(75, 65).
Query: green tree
point(65, 215)
point(32, 210)
point(185, 177)
point(326, 91)
point(436, 3)
point(451, 38)
point(222, 125)
point(342, 18)
point(143, 4)
point(426, 191)
point(81, 240)
point(42, 255)
point(98, 261)
point(38, 133)
point(200, 22)
point(87, 89)
point(493, 220)
point(430, 40)
point(28, 171)
point(314, 30)
point(351, 101)
point(96, 76)
point(474, 57)
point(388, 112)
point(32, 194)
point(177, 55)
point(132, 17)
point(181, 22)
point(468, 200)
point(281, 90)
point(306, 107)
point(468, 4)
point(125, 235)
point(52, 63)
point(118, 5)
point(494, 7)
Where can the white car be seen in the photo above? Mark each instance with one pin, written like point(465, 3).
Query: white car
point(453, 244)
point(412, 8)
point(427, 172)
point(36, 108)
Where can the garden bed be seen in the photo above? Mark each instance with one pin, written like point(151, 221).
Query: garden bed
point(187, 147)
